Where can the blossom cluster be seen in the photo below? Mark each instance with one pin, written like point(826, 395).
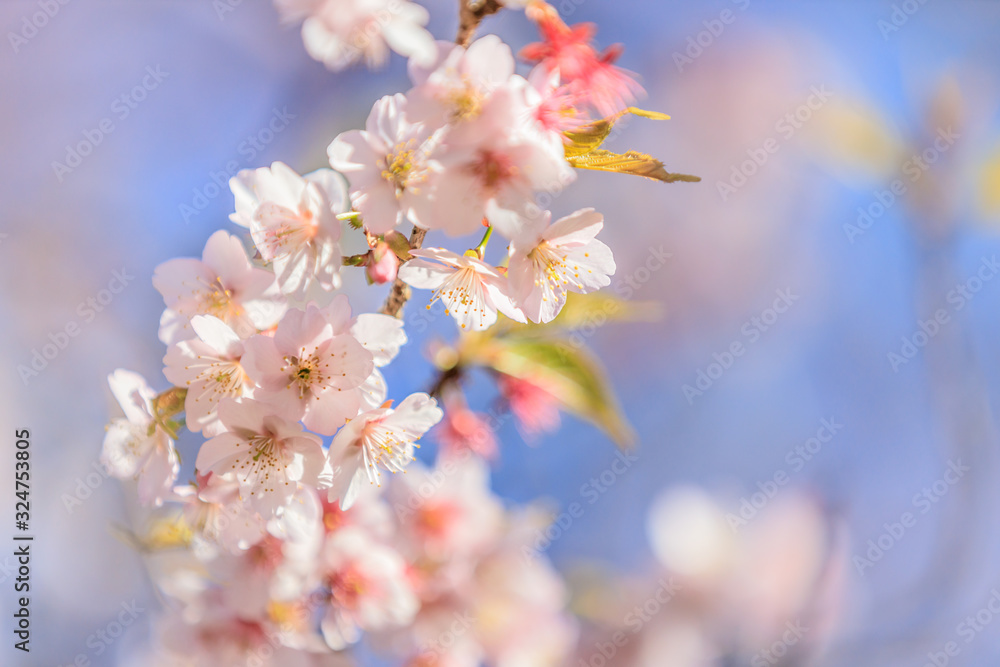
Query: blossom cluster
point(295, 541)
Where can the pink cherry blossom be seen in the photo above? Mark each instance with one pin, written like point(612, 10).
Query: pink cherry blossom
point(535, 409)
point(223, 283)
point(471, 290)
point(266, 452)
point(454, 87)
point(368, 588)
point(309, 371)
point(380, 439)
point(463, 430)
point(214, 511)
point(447, 513)
point(387, 164)
point(381, 335)
point(210, 368)
point(339, 33)
point(491, 167)
point(570, 51)
point(137, 446)
point(293, 221)
point(559, 258)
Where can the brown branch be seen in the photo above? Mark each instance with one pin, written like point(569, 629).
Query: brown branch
point(400, 292)
point(470, 14)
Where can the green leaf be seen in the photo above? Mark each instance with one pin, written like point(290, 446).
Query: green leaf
point(567, 371)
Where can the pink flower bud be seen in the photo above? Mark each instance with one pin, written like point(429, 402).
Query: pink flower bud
point(382, 264)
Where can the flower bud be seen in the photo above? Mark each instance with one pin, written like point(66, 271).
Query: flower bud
point(382, 264)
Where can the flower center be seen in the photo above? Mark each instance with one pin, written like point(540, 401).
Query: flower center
point(552, 267)
point(305, 372)
point(493, 169)
point(465, 102)
point(463, 289)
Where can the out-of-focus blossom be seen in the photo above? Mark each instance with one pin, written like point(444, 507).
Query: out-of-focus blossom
point(368, 588)
point(378, 439)
point(137, 446)
point(570, 51)
point(535, 409)
point(463, 430)
point(209, 368)
point(215, 511)
point(387, 164)
point(471, 290)
point(309, 371)
point(339, 33)
point(447, 513)
point(455, 87)
point(293, 222)
point(562, 257)
point(266, 452)
point(224, 284)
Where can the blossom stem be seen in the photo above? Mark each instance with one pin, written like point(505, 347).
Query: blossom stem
point(481, 248)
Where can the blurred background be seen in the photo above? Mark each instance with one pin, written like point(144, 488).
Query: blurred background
point(843, 236)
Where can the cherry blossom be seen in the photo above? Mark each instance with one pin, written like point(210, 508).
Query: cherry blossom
point(459, 518)
point(471, 290)
point(380, 439)
point(224, 284)
point(293, 222)
point(570, 51)
point(455, 86)
point(535, 409)
point(368, 588)
point(462, 430)
point(339, 33)
point(387, 164)
point(559, 258)
point(491, 167)
point(210, 368)
point(214, 510)
point(310, 371)
point(137, 446)
point(266, 452)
